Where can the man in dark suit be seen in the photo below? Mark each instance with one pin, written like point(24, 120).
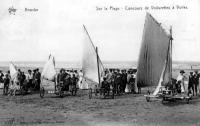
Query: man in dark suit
point(1, 77)
point(191, 83)
point(6, 84)
point(196, 81)
point(117, 82)
point(124, 80)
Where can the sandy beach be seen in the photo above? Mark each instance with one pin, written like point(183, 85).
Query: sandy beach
point(124, 110)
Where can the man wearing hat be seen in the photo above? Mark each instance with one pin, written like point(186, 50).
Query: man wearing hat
point(196, 81)
point(180, 79)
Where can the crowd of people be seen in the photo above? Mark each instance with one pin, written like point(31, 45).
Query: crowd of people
point(193, 83)
point(179, 84)
point(119, 81)
point(122, 81)
point(67, 79)
point(21, 82)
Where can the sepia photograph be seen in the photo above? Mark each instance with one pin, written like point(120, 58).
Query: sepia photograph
point(99, 63)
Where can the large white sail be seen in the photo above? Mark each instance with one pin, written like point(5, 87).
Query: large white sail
point(91, 63)
point(49, 71)
point(13, 71)
point(154, 60)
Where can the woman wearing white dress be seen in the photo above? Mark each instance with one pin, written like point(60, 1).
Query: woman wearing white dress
point(181, 78)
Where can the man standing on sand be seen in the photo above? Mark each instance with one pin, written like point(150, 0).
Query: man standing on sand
point(124, 81)
point(6, 84)
point(1, 77)
point(191, 83)
point(29, 78)
point(118, 81)
point(38, 79)
point(196, 81)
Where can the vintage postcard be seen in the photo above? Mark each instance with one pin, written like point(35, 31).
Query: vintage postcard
point(99, 62)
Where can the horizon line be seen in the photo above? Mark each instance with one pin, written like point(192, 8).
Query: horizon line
point(102, 61)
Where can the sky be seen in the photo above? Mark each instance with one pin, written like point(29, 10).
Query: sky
point(57, 28)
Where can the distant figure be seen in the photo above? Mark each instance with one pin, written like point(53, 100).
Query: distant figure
point(38, 79)
point(181, 78)
point(196, 81)
point(124, 81)
point(19, 78)
point(74, 81)
point(29, 79)
point(1, 77)
point(191, 83)
point(118, 81)
point(6, 84)
point(131, 85)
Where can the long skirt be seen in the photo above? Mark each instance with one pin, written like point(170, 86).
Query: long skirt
point(128, 88)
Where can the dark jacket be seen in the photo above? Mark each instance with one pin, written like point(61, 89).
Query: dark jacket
point(191, 80)
point(196, 79)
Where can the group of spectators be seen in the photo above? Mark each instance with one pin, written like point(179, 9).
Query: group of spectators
point(67, 79)
point(120, 81)
point(193, 83)
point(21, 82)
point(179, 84)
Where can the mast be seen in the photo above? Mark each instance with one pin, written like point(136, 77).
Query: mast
point(98, 65)
point(170, 42)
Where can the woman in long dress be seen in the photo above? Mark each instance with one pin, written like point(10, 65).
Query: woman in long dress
point(180, 79)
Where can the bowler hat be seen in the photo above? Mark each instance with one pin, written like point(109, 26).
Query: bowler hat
point(182, 71)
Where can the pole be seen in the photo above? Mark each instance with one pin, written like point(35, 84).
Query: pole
point(98, 65)
point(171, 54)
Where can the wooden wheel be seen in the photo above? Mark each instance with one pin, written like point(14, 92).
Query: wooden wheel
point(113, 94)
point(42, 92)
point(187, 100)
point(148, 98)
point(61, 94)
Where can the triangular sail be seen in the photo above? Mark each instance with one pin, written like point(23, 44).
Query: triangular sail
point(153, 61)
point(49, 70)
point(13, 71)
point(90, 62)
point(166, 72)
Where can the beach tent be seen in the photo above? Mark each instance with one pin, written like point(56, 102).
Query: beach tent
point(155, 61)
point(49, 71)
point(92, 66)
